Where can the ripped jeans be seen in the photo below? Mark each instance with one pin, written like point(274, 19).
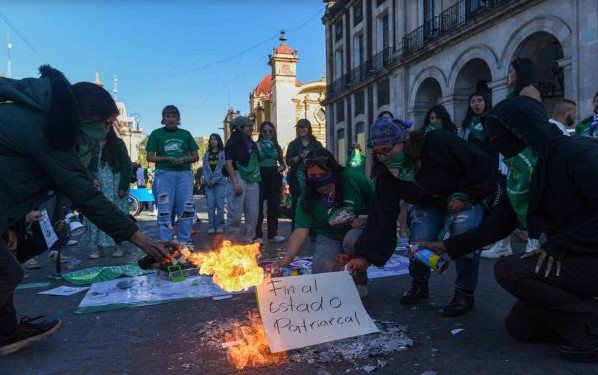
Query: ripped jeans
point(174, 193)
point(426, 223)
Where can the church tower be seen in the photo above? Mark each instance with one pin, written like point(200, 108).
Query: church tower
point(284, 89)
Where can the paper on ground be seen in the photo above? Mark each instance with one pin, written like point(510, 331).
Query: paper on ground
point(64, 291)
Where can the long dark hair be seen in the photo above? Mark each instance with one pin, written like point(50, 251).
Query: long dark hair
point(414, 145)
point(441, 112)
point(469, 115)
point(217, 137)
point(326, 161)
point(111, 149)
point(310, 134)
point(525, 70)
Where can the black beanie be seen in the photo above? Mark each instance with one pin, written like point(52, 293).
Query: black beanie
point(94, 101)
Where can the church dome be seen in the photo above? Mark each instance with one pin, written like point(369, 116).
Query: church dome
point(265, 85)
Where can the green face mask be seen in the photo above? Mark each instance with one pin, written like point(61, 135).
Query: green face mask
point(92, 133)
point(433, 126)
point(398, 165)
point(521, 167)
point(477, 129)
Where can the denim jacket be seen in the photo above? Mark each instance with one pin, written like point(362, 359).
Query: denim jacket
point(215, 177)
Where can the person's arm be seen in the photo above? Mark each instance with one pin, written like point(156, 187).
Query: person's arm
point(281, 164)
point(378, 240)
point(231, 153)
point(498, 225)
point(126, 170)
point(296, 241)
point(292, 156)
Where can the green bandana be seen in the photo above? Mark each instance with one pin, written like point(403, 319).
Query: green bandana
point(268, 153)
point(357, 160)
point(250, 173)
point(477, 129)
point(399, 166)
point(521, 167)
point(92, 133)
point(433, 126)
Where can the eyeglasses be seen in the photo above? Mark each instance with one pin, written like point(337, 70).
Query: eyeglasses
point(267, 131)
point(321, 162)
point(385, 151)
point(302, 126)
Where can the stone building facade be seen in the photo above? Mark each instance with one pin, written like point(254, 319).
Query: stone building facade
point(407, 55)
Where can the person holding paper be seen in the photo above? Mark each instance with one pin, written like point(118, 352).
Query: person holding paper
point(50, 130)
point(446, 179)
point(333, 204)
point(556, 286)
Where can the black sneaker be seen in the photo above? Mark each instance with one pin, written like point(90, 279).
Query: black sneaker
point(461, 303)
point(28, 333)
point(415, 293)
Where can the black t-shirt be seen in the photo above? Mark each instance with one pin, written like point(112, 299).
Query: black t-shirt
point(213, 160)
point(237, 149)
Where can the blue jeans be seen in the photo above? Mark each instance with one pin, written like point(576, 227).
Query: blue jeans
point(175, 195)
point(215, 203)
point(427, 223)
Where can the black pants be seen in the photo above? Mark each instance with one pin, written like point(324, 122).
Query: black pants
point(296, 191)
point(11, 275)
point(270, 189)
point(548, 307)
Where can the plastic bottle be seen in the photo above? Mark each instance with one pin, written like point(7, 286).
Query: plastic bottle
point(426, 256)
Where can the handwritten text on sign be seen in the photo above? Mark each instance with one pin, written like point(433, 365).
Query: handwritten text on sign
point(300, 311)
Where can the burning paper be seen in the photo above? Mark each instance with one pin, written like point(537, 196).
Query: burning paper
point(234, 268)
point(247, 346)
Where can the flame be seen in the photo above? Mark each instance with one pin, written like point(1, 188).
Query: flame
point(252, 347)
point(234, 268)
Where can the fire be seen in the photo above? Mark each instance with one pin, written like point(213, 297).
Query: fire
point(234, 268)
point(251, 347)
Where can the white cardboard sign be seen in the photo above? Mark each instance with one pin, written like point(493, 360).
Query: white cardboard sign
point(300, 311)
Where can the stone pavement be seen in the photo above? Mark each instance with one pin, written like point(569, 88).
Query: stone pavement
point(167, 338)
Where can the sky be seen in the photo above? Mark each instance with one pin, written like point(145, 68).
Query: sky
point(202, 56)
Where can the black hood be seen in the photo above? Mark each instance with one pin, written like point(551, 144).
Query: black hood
point(526, 120)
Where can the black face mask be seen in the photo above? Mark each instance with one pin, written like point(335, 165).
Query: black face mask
point(502, 139)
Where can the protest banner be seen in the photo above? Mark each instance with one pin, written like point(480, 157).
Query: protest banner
point(300, 311)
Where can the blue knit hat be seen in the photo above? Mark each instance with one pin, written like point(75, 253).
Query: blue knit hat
point(388, 131)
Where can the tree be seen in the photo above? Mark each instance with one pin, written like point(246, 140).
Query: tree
point(141, 154)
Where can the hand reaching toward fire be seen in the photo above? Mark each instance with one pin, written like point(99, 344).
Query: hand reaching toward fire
point(152, 248)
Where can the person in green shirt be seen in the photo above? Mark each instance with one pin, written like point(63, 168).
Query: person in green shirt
point(173, 150)
point(334, 204)
point(587, 127)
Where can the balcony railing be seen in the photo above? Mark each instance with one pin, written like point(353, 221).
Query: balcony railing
point(362, 72)
point(450, 19)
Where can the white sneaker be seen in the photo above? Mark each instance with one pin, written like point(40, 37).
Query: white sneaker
point(72, 243)
point(532, 244)
point(278, 239)
point(33, 264)
point(211, 231)
point(259, 240)
point(54, 254)
point(219, 230)
point(118, 252)
point(498, 249)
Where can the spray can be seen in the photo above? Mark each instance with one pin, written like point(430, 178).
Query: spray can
point(426, 256)
point(147, 262)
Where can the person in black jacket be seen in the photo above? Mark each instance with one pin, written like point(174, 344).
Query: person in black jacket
point(554, 177)
point(445, 178)
point(296, 153)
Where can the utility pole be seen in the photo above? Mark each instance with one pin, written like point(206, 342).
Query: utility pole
point(9, 64)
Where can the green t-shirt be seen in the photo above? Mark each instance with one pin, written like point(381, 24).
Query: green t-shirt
point(358, 191)
point(171, 143)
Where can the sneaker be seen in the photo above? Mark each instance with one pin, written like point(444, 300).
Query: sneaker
point(498, 249)
point(219, 230)
point(33, 264)
point(259, 240)
point(277, 239)
point(54, 254)
point(118, 252)
point(27, 333)
point(96, 254)
point(532, 244)
point(211, 231)
point(72, 242)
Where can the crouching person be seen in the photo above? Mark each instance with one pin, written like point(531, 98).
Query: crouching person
point(556, 285)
